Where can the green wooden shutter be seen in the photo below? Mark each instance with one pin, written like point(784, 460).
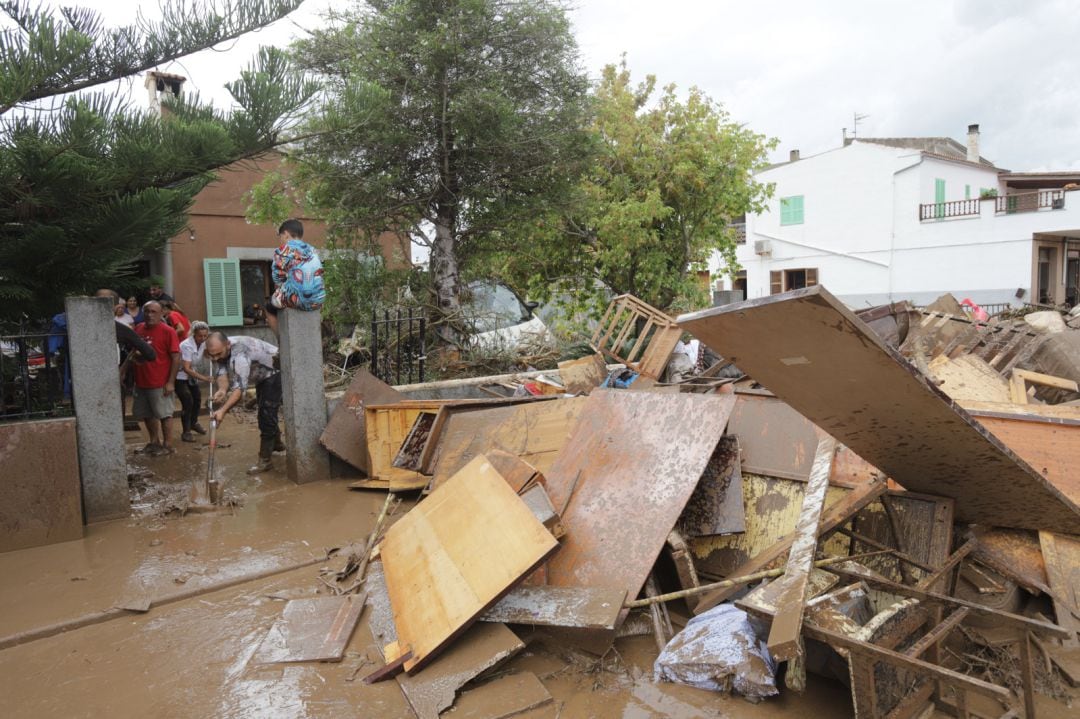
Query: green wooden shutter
point(223, 305)
point(791, 210)
point(967, 192)
point(939, 197)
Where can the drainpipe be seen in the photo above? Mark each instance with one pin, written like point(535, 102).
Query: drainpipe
point(167, 268)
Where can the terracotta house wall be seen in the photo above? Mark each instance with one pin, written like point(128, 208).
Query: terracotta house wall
point(217, 228)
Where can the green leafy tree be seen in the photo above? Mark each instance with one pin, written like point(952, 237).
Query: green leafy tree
point(449, 120)
point(669, 178)
point(88, 184)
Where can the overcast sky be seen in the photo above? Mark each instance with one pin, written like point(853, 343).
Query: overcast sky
point(798, 71)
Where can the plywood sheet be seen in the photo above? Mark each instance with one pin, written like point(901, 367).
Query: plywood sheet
point(1051, 448)
point(455, 555)
point(632, 463)
point(969, 378)
point(583, 375)
point(716, 506)
point(345, 436)
point(584, 607)
point(813, 353)
point(503, 697)
point(535, 432)
point(311, 630)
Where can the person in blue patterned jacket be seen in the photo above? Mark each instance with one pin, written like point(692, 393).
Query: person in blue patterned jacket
point(297, 273)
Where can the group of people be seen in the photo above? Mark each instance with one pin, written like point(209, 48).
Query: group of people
point(168, 357)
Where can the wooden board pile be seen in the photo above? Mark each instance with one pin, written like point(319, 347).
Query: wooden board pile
point(873, 528)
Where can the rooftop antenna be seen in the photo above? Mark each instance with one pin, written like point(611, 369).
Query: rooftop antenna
point(855, 123)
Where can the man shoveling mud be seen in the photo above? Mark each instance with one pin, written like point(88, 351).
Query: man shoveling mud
point(245, 361)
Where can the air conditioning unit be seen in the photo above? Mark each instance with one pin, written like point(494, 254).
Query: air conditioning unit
point(762, 247)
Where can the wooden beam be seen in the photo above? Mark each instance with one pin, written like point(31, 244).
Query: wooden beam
point(833, 517)
point(938, 633)
point(903, 661)
point(955, 558)
point(787, 625)
point(1028, 675)
point(1046, 380)
point(1014, 620)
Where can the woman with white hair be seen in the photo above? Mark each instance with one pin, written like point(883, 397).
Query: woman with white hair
point(188, 379)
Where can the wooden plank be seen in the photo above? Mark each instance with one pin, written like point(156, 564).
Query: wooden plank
point(812, 352)
point(619, 508)
point(786, 628)
point(456, 554)
point(582, 607)
point(716, 506)
point(583, 375)
point(935, 635)
point(1062, 556)
point(1027, 675)
point(311, 630)
point(833, 517)
point(345, 435)
point(503, 697)
point(1046, 380)
point(535, 432)
point(968, 378)
point(1012, 553)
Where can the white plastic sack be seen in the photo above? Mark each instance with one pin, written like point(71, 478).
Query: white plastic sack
point(1048, 321)
point(719, 651)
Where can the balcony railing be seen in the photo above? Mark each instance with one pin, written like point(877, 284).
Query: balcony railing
point(1003, 205)
point(943, 210)
point(1030, 202)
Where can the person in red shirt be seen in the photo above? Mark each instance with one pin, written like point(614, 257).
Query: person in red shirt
point(176, 319)
point(155, 380)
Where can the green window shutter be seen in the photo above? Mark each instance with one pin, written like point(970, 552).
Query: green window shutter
point(791, 210)
point(967, 192)
point(223, 305)
point(939, 197)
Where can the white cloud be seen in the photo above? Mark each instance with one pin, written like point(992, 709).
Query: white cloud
point(798, 70)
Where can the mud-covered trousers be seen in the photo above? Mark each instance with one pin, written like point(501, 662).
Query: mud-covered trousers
point(268, 396)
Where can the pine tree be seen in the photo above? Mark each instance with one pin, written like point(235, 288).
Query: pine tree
point(88, 183)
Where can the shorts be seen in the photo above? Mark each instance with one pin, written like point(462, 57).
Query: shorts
point(152, 404)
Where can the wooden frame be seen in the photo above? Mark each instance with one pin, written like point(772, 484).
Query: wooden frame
point(657, 339)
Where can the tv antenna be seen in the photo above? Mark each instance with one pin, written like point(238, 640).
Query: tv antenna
point(855, 123)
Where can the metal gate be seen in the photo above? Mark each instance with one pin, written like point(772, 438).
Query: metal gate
point(397, 345)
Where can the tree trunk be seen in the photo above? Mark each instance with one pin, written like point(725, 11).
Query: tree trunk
point(445, 279)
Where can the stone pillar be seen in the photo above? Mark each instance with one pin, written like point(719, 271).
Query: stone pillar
point(99, 416)
point(303, 395)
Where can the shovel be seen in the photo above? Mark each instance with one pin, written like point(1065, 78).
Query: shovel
point(208, 492)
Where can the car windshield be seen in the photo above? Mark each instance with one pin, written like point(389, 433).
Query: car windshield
point(493, 306)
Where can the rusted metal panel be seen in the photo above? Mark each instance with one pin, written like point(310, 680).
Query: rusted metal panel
point(716, 506)
point(623, 479)
point(1013, 553)
point(812, 352)
point(345, 434)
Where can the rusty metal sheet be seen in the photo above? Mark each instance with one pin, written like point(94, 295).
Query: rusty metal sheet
point(716, 506)
point(812, 352)
point(311, 630)
point(1013, 553)
point(345, 436)
point(629, 468)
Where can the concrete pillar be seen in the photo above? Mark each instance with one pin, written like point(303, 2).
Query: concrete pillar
point(98, 413)
point(303, 395)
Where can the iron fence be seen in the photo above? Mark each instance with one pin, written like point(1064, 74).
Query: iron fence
point(35, 381)
point(397, 345)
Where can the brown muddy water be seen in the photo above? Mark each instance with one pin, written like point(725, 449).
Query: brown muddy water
point(190, 657)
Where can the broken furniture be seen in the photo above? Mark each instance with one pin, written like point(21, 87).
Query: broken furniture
point(345, 435)
point(812, 352)
point(654, 335)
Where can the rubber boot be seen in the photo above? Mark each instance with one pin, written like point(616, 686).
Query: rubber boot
point(266, 447)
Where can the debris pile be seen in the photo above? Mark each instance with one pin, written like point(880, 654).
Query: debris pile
point(890, 501)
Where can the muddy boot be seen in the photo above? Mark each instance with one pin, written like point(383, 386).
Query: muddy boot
point(279, 446)
point(264, 464)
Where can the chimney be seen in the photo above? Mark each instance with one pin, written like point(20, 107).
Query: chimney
point(973, 143)
point(159, 84)
point(793, 156)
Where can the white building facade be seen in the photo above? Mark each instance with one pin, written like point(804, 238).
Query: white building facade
point(878, 221)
